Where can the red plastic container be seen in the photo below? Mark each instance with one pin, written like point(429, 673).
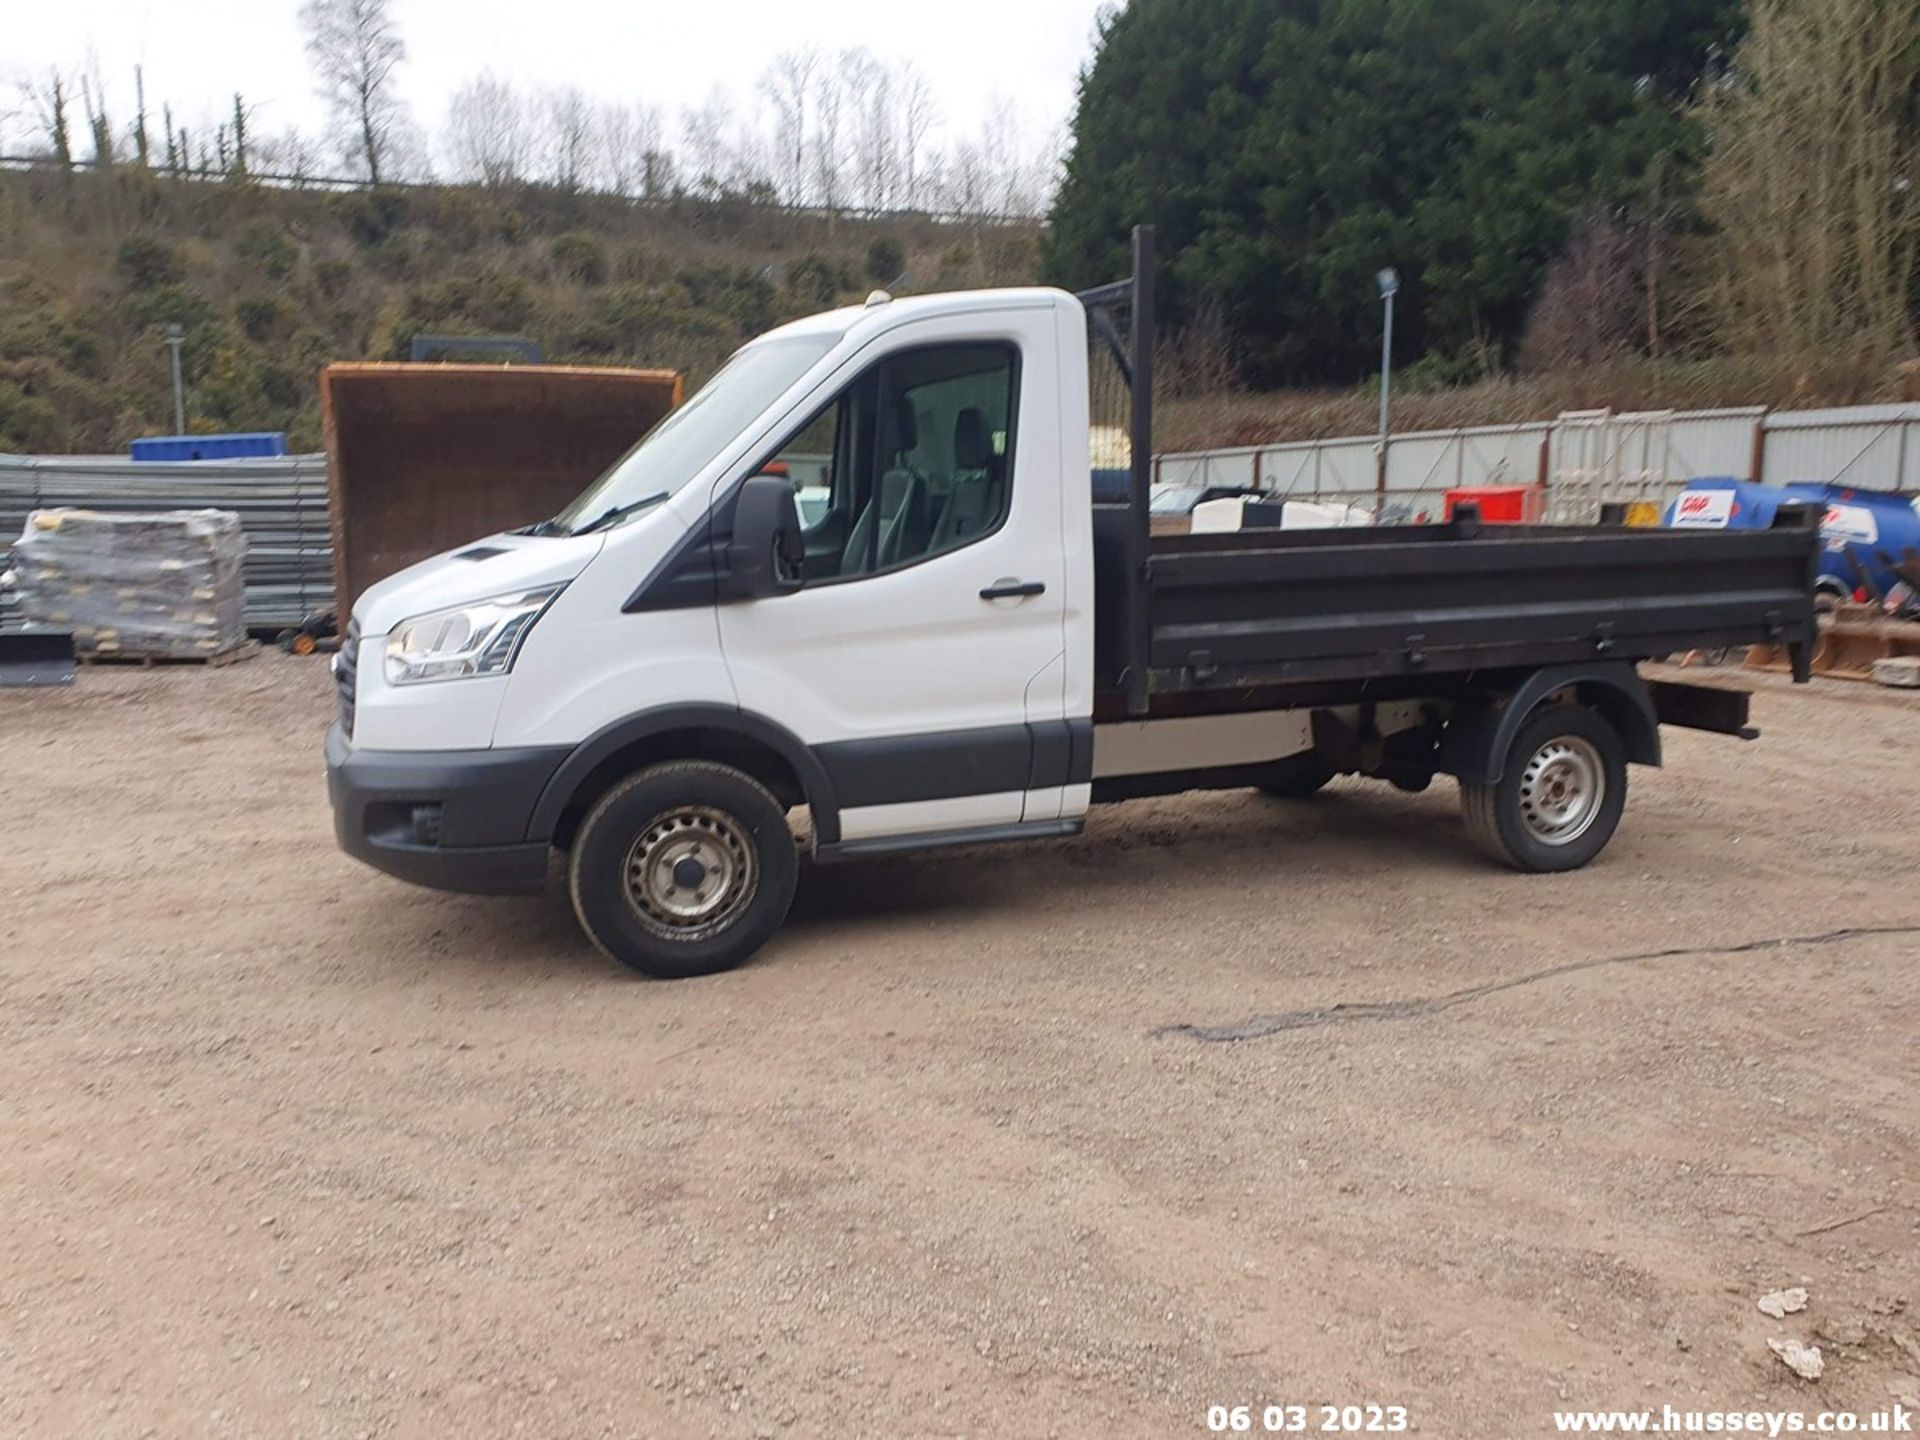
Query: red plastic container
point(1502, 504)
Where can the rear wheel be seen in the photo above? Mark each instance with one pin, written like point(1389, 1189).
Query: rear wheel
point(683, 869)
point(1559, 796)
point(1297, 776)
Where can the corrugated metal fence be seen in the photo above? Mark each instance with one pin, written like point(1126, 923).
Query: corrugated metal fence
point(1582, 458)
point(282, 504)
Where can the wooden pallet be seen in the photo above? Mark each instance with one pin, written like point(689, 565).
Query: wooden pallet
point(1852, 638)
point(244, 651)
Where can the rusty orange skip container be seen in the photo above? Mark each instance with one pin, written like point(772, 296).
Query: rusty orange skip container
point(1503, 504)
point(424, 458)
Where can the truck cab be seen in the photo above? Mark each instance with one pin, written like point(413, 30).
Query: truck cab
point(915, 669)
point(861, 577)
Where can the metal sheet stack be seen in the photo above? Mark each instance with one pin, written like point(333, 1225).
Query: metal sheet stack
point(164, 585)
point(281, 502)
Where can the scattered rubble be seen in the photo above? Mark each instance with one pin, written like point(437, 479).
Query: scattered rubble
point(1781, 1303)
point(1804, 1360)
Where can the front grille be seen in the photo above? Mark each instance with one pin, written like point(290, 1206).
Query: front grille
point(345, 676)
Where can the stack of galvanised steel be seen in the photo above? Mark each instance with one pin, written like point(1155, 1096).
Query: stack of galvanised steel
point(281, 502)
point(158, 586)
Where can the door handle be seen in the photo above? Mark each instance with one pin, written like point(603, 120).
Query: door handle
point(1013, 589)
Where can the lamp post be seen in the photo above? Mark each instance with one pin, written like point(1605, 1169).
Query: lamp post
point(1389, 287)
point(175, 337)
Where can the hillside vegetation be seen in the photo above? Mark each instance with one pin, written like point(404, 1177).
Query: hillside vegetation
point(272, 284)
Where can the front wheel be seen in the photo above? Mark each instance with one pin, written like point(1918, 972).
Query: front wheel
point(1559, 796)
point(683, 869)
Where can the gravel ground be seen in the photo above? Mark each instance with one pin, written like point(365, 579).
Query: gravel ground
point(293, 1149)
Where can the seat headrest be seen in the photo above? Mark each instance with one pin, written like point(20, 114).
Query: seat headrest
point(972, 441)
point(903, 431)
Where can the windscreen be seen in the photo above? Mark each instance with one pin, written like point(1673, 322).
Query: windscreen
point(684, 443)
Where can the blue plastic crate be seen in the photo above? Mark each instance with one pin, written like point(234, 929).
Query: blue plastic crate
point(164, 448)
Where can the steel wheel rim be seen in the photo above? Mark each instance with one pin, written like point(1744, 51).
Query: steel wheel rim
point(691, 872)
point(1562, 788)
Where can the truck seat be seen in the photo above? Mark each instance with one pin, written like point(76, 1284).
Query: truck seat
point(978, 493)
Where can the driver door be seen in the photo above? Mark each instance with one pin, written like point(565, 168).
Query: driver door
point(927, 640)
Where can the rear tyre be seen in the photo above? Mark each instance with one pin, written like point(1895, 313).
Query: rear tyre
point(1560, 793)
point(686, 868)
point(1297, 776)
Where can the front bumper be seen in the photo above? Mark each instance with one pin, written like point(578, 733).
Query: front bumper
point(448, 819)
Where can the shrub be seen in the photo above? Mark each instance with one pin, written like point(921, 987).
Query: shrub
point(512, 226)
point(393, 256)
point(642, 264)
point(229, 391)
point(580, 256)
point(333, 277)
point(167, 305)
point(886, 258)
point(491, 301)
point(458, 220)
point(743, 295)
point(369, 216)
point(148, 262)
point(80, 351)
point(636, 314)
point(29, 423)
point(262, 317)
point(267, 247)
point(814, 281)
point(282, 385)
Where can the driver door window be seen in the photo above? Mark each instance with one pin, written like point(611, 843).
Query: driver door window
point(912, 460)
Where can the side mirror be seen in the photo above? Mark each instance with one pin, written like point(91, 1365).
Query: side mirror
point(766, 555)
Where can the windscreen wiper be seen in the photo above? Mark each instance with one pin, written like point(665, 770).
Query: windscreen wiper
point(543, 527)
point(618, 512)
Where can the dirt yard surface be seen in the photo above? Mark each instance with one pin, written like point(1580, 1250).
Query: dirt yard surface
point(289, 1148)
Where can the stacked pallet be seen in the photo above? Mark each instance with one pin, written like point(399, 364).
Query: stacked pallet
point(163, 586)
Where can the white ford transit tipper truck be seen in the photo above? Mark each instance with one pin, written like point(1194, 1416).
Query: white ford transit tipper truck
point(957, 645)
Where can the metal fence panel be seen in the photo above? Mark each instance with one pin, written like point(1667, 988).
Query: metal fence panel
point(1590, 457)
point(1871, 447)
point(281, 502)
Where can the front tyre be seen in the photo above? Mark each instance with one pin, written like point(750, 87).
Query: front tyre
point(683, 869)
point(1560, 793)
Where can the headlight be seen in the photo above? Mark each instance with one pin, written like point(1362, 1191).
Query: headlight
point(477, 639)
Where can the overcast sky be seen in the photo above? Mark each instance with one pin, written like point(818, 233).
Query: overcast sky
point(197, 52)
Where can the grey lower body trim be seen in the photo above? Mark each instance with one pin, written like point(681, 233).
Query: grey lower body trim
point(946, 839)
point(949, 764)
point(448, 819)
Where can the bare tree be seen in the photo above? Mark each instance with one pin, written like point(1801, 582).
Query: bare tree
point(290, 154)
point(620, 158)
point(919, 113)
point(704, 129)
point(789, 83)
point(487, 132)
point(1812, 179)
point(633, 150)
point(355, 48)
point(868, 85)
point(242, 114)
point(829, 110)
point(48, 105)
point(1588, 306)
point(568, 121)
point(660, 173)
